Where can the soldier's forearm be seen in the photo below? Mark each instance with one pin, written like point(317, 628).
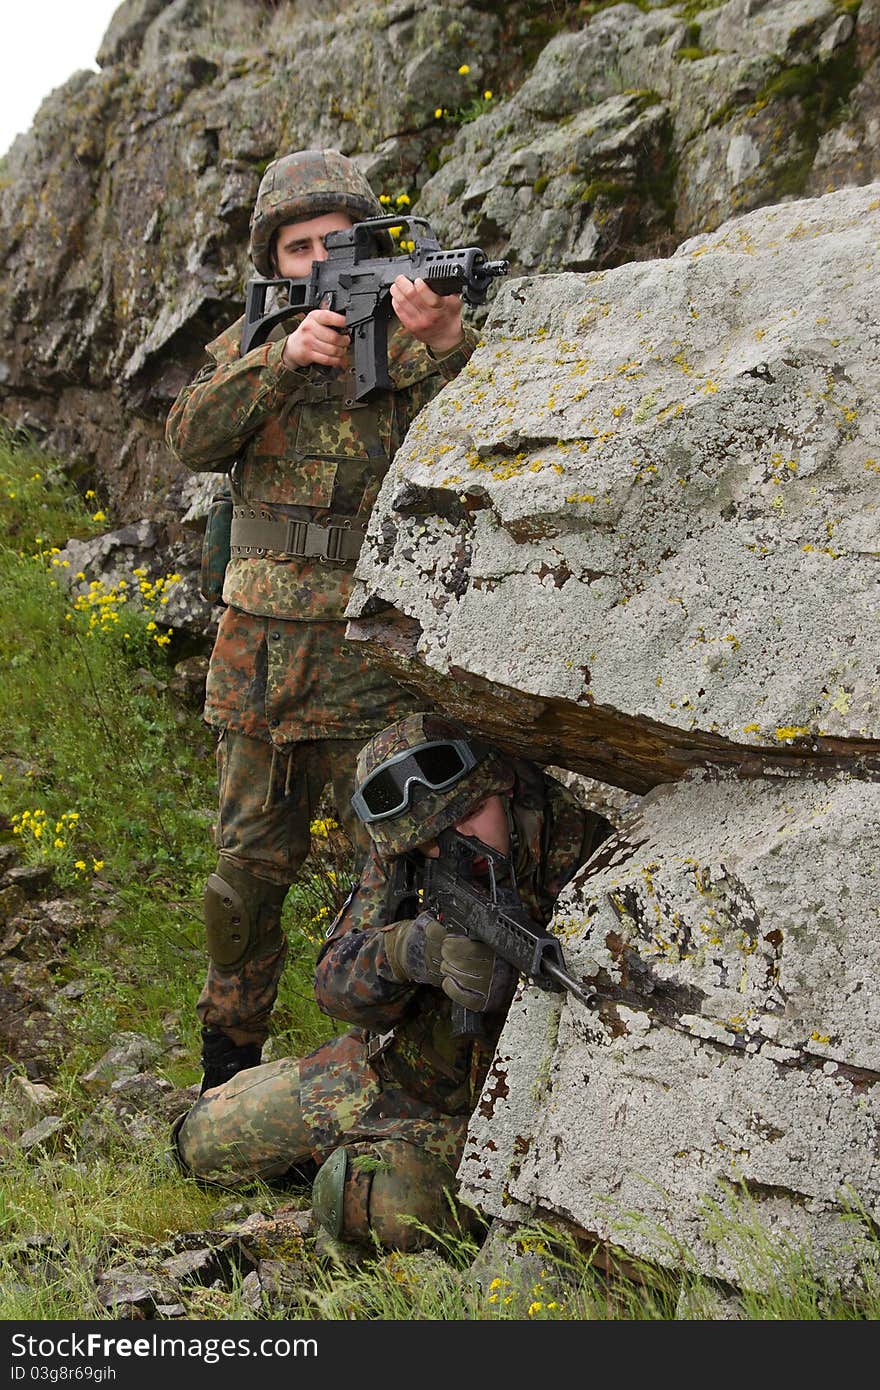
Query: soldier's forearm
point(353, 981)
point(215, 415)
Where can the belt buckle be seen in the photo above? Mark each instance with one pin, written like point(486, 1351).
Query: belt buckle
point(334, 542)
point(378, 1044)
point(297, 537)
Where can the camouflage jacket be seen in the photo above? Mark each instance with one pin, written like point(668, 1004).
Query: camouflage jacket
point(299, 449)
point(354, 981)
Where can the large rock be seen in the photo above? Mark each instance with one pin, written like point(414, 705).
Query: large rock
point(638, 532)
point(728, 1079)
point(124, 220)
point(641, 120)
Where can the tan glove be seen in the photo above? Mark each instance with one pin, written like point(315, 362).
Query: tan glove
point(474, 976)
point(413, 949)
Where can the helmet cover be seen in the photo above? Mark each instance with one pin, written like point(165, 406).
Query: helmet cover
point(303, 185)
point(430, 812)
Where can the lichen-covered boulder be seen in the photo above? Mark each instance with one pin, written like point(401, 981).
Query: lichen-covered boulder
point(639, 532)
point(726, 1084)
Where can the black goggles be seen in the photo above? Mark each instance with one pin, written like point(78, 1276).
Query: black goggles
point(436, 765)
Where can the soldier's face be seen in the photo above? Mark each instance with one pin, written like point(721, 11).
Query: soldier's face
point(487, 822)
point(297, 244)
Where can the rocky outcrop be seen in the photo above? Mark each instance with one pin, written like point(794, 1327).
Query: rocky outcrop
point(727, 1082)
point(571, 140)
point(637, 537)
point(637, 534)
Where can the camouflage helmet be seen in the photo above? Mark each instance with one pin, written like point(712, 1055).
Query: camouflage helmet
point(303, 185)
point(428, 812)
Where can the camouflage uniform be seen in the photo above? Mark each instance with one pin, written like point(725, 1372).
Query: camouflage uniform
point(292, 700)
point(398, 1087)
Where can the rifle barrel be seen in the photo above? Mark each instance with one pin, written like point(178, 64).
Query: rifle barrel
point(584, 995)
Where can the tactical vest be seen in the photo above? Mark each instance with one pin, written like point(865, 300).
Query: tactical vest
point(305, 484)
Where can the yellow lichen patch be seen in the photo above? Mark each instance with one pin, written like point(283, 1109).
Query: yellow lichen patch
point(841, 700)
point(751, 728)
point(580, 497)
point(790, 731)
point(644, 407)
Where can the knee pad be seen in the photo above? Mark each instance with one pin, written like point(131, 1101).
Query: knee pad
point(384, 1193)
point(242, 915)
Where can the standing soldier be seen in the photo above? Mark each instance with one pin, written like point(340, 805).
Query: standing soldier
point(384, 1108)
point(293, 703)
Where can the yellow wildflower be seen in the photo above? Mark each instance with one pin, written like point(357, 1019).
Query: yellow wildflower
point(463, 70)
point(97, 864)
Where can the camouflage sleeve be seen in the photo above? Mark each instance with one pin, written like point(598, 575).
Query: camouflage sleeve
point(353, 979)
point(572, 833)
point(411, 400)
point(229, 399)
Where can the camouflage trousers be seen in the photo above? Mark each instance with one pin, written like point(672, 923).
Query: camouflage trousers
point(272, 1118)
point(267, 802)
point(295, 704)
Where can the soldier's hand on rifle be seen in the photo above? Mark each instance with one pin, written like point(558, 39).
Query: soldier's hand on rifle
point(435, 319)
point(318, 340)
point(474, 976)
point(413, 949)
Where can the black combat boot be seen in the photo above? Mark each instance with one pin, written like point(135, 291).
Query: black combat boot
point(222, 1058)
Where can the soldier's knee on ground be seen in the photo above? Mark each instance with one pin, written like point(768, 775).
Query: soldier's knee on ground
point(250, 1128)
point(242, 915)
point(389, 1191)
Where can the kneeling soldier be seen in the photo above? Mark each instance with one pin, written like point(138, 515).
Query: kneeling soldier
point(384, 1108)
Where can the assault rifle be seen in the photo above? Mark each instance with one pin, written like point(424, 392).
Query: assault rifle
point(356, 282)
point(493, 914)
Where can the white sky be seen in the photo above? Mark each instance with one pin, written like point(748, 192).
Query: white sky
point(42, 43)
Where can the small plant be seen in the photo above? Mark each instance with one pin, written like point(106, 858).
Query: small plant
point(399, 202)
point(477, 105)
point(55, 843)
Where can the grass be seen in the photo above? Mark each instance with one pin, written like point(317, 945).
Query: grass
point(123, 776)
